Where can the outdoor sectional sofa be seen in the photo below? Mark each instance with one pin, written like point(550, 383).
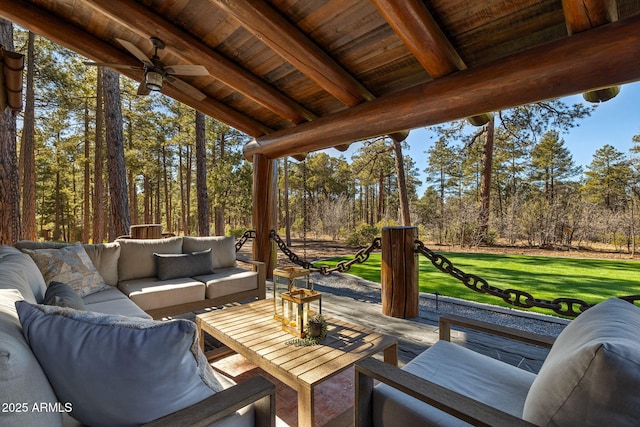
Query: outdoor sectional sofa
point(108, 362)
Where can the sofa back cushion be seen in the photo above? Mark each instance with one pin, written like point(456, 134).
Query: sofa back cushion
point(18, 271)
point(23, 383)
point(591, 376)
point(103, 255)
point(223, 248)
point(136, 256)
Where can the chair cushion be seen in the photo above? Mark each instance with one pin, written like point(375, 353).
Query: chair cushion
point(457, 368)
point(112, 301)
point(172, 266)
point(62, 295)
point(136, 256)
point(591, 376)
point(223, 248)
point(71, 265)
point(115, 370)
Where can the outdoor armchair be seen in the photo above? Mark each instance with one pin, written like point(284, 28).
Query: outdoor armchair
point(591, 376)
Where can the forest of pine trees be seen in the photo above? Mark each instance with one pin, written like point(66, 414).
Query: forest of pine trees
point(93, 158)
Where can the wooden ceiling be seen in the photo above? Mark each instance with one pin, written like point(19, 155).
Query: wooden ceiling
point(302, 75)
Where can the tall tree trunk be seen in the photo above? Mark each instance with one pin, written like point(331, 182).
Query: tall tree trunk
point(10, 230)
point(187, 183)
point(167, 194)
point(146, 185)
point(402, 183)
point(27, 151)
point(120, 219)
point(86, 224)
point(380, 196)
point(201, 176)
point(99, 205)
point(287, 214)
point(220, 206)
point(183, 203)
point(485, 183)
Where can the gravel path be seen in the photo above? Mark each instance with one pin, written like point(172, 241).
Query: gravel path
point(431, 308)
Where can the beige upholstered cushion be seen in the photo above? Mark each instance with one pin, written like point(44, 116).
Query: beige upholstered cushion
point(223, 249)
point(591, 376)
point(112, 301)
point(70, 265)
point(136, 256)
point(472, 374)
point(20, 272)
point(151, 293)
point(226, 281)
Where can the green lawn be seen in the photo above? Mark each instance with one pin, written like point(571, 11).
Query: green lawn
point(591, 280)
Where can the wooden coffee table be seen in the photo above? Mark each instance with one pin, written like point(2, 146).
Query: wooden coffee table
point(251, 331)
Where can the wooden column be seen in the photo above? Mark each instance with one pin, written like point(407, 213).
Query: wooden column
point(399, 272)
point(264, 207)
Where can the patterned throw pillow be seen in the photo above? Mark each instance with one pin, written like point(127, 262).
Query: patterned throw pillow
point(70, 265)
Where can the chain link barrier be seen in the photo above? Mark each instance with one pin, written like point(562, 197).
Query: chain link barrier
point(570, 307)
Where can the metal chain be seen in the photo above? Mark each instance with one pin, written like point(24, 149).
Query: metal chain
point(571, 307)
point(343, 266)
point(249, 234)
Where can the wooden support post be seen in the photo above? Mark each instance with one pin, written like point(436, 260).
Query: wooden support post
point(264, 204)
point(399, 272)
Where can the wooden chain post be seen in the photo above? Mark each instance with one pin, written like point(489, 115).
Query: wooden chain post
point(399, 272)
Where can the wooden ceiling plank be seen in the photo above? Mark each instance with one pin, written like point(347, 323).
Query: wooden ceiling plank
point(143, 21)
point(293, 45)
point(605, 56)
point(582, 15)
point(416, 27)
point(47, 25)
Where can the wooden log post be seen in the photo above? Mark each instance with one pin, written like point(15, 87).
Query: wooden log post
point(399, 272)
point(264, 208)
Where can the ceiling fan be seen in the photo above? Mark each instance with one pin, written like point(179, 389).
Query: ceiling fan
point(156, 72)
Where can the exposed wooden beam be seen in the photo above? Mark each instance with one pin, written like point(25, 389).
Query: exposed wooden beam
point(44, 23)
point(418, 30)
point(608, 55)
point(145, 22)
point(288, 41)
point(582, 15)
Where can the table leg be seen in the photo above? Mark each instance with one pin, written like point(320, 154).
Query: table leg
point(306, 416)
point(391, 354)
point(200, 333)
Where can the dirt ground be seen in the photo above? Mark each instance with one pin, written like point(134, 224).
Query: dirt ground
point(317, 249)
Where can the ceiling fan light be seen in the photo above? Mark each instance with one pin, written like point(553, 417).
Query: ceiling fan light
point(153, 80)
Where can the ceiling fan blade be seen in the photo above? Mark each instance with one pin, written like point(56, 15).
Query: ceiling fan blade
point(187, 70)
point(105, 64)
point(142, 89)
point(133, 49)
point(186, 88)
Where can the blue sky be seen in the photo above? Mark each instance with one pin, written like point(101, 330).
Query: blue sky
point(614, 122)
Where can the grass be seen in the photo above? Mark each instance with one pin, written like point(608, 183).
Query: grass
point(591, 280)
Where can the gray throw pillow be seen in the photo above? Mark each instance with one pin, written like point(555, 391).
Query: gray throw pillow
point(62, 295)
point(71, 265)
point(114, 370)
point(174, 266)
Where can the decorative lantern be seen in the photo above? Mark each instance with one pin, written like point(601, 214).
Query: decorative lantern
point(286, 280)
point(298, 306)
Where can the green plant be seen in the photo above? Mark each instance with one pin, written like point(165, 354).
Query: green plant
point(308, 340)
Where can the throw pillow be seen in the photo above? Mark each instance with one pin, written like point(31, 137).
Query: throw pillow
point(70, 265)
point(115, 370)
point(136, 256)
point(62, 295)
point(222, 247)
point(174, 266)
point(591, 376)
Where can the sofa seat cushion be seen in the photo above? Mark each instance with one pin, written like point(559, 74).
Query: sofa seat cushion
point(112, 301)
point(115, 370)
point(226, 281)
point(136, 256)
point(151, 293)
point(223, 249)
point(23, 380)
point(591, 376)
point(455, 367)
